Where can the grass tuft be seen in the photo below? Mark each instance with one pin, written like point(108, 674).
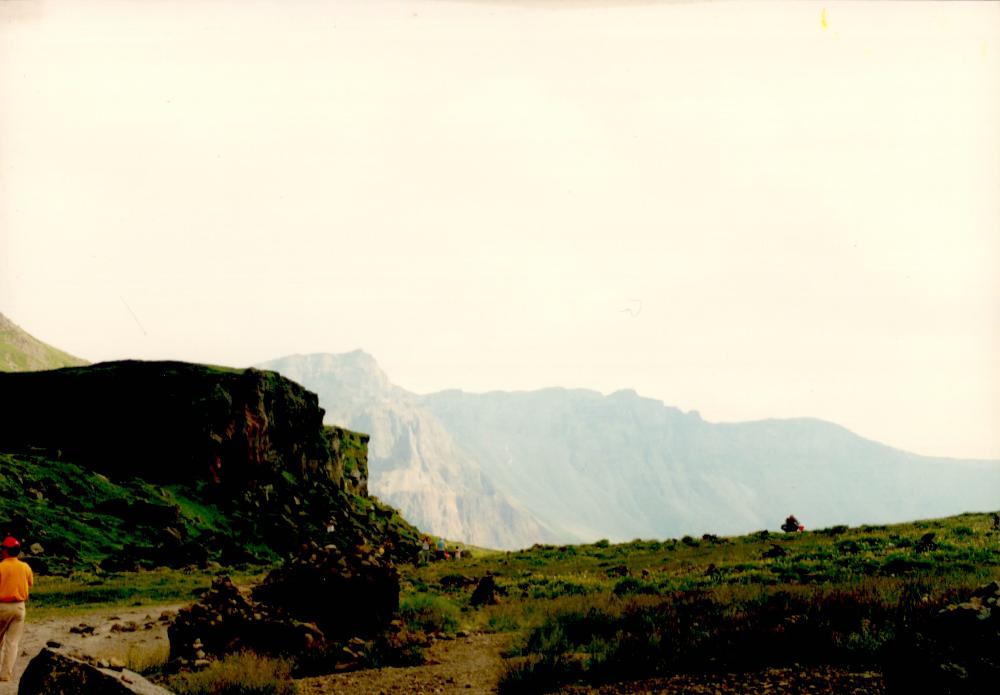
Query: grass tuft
point(244, 673)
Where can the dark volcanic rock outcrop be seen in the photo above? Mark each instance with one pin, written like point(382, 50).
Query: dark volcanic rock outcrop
point(216, 463)
point(53, 671)
point(176, 422)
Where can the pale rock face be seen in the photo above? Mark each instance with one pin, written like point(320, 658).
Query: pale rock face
point(414, 463)
point(506, 470)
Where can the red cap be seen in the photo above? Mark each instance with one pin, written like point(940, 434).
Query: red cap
point(10, 542)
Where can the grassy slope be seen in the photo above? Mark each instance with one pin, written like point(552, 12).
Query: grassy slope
point(600, 613)
point(19, 352)
point(64, 505)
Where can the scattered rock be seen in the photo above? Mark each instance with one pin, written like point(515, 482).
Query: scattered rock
point(485, 592)
point(617, 571)
point(775, 551)
point(926, 543)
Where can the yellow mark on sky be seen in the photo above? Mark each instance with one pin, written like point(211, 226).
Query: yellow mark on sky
point(822, 18)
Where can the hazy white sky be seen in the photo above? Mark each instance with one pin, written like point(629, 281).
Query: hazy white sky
point(752, 210)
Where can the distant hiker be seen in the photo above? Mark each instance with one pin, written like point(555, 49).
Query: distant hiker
point(440, 553)
point(995, 518)
point(16, 580)
point(425, 551)
point(792, 525)
point(457, 554)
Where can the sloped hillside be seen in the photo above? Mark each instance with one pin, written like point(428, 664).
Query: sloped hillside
point(20, 352)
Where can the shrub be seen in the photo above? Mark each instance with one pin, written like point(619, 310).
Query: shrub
point(138, 657)
point(834, 530)
point(245, 673)
point(429, 613)
point(631, 585)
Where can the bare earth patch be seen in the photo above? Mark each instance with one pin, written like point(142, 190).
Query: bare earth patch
point(464, 665)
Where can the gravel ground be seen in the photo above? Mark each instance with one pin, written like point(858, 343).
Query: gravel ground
point(104, 641)
point(466, 665)
point(818, 681)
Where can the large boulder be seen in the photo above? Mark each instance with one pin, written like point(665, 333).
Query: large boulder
point(57, 672)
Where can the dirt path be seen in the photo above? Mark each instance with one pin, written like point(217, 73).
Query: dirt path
point(139, 632)
point(464, 665)
point(467, 665)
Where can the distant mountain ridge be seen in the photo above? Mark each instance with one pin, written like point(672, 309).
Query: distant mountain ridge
point(20, 352)
point(576, 465)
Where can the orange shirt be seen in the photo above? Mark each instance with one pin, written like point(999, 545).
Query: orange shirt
point(15, 580)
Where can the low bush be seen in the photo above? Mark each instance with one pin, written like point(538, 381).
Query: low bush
point(430, 613)
point(244, 673)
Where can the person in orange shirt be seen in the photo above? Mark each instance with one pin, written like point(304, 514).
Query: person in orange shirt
point(16, 580)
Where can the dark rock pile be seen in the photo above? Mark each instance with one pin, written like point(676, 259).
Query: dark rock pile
point(346, 594)
point(226, 621)
point(309, 609)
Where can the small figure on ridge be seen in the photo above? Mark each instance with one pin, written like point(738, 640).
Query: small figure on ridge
point(792, 525)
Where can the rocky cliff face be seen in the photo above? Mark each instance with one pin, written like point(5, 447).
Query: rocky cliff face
point(176, 422)
point(416, 465)
point(251, 444)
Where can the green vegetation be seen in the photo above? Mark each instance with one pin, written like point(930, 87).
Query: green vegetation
point(430, 613)
point(602, 613)
point(81, 593)
point(82, 520)
point(605, 612)
point(21, 352)
point(238, 674)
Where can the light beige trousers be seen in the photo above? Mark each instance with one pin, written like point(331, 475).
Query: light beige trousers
point(11, 627)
